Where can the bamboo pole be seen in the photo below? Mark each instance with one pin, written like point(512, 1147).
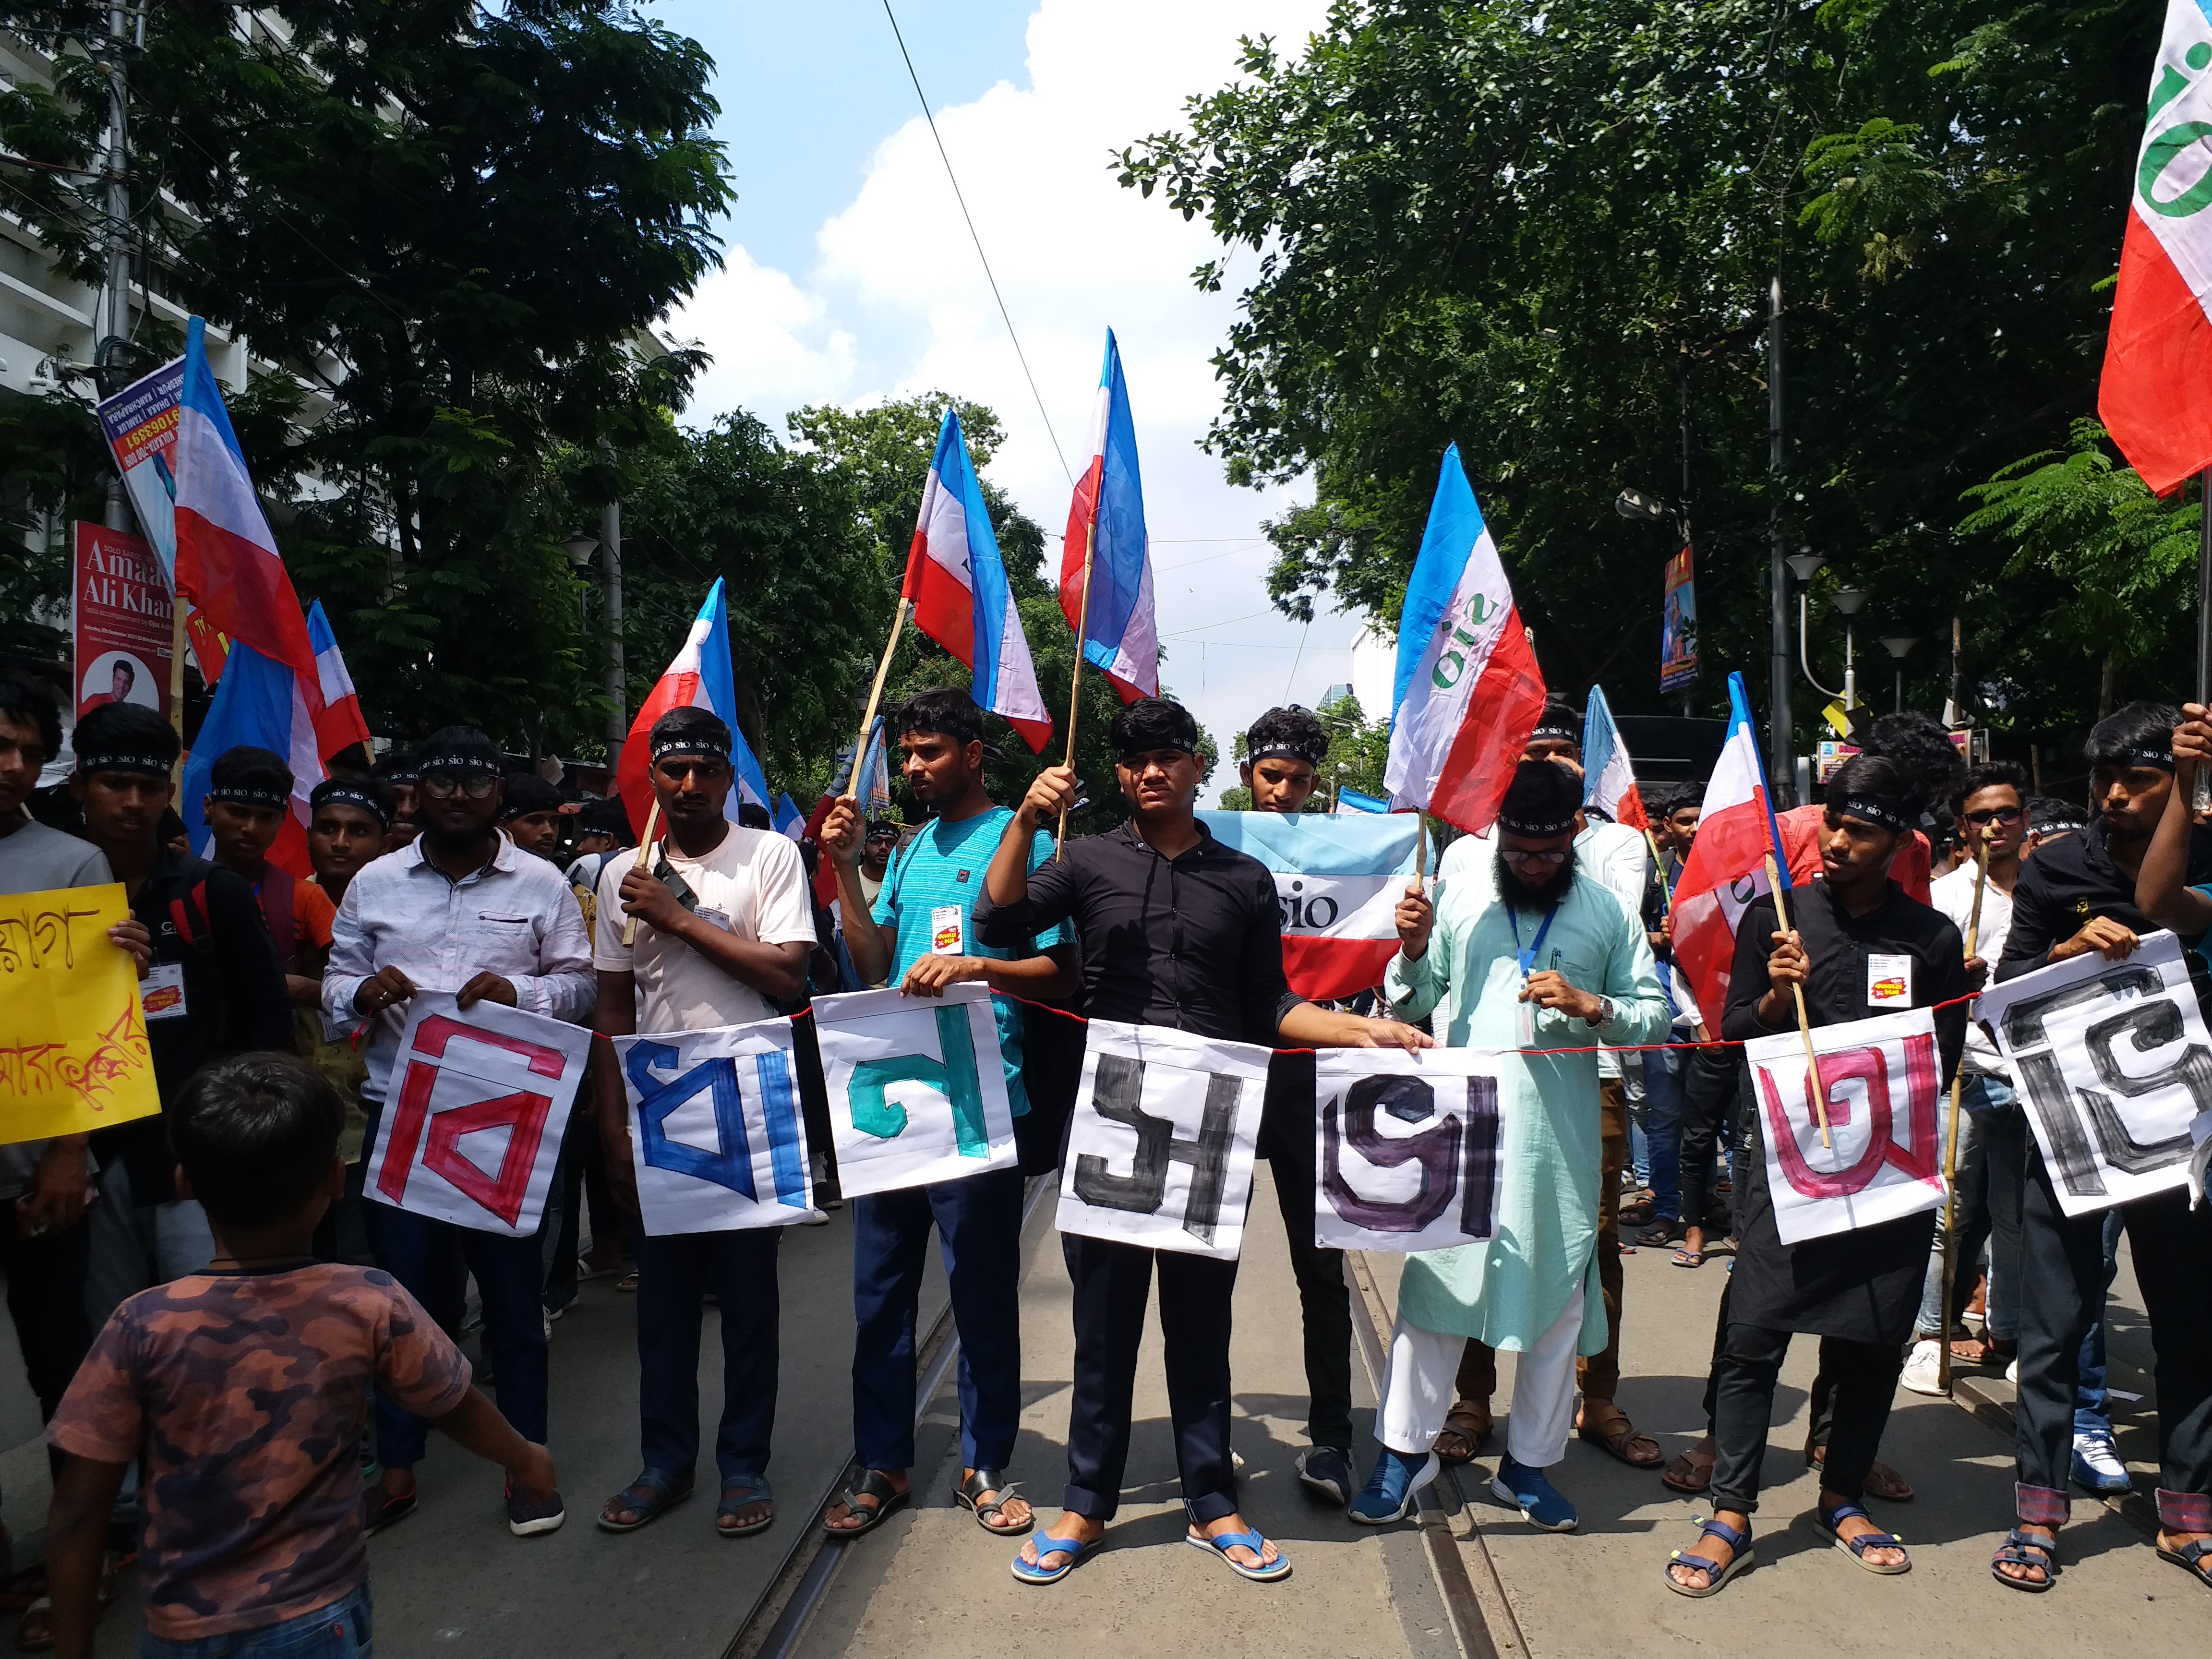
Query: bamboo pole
point(1804, 1022)
point(1951, 1140)
point(1420, 847)
point(876, 698)
point(1659, 863)
point(643, 862)
point(176, 663)
point(1075, 680)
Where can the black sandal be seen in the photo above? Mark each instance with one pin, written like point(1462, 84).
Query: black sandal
point(2022, 1548)
point(970, 1496)
point(888, 1501)
point(2194, 1557)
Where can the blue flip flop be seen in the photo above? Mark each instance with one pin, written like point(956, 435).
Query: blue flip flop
point(1222, 1543)
point(1047, 1547)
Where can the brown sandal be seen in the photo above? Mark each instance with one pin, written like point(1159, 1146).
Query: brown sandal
point(1608, 1426)
point(1461, 1437)
point(1687, 1475)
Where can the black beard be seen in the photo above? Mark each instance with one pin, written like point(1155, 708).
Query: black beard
point(1538, 895)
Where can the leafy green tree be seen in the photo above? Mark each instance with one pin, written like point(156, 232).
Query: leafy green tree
point(1544, 229)
point(1358, 754)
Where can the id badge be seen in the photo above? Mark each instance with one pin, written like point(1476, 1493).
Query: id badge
point(1889, 981)
point(948, 931)
point(1524, 1025)
point(162, 993)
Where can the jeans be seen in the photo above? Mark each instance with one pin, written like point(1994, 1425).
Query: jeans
point(1666, 1078)
point(134, 1247)
point(1639, 1144)
point(2093, 1411)
point(1971, 1220)
point(979, 1227)
point(675, 1271)
point(433, 1260)
point(344, 1630)
point(1708, 1096)
point(46, 1300)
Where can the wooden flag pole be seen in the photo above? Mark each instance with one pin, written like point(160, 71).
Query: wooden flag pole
point(176, 663)
point(1075, 680)
point(1420, 847)
point(643, 862)
point(1804, 1023)
point(876, 698)
point(1951, 1140)
point(1658, 863)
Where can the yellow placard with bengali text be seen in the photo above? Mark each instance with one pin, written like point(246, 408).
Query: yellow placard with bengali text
point(73, 1050)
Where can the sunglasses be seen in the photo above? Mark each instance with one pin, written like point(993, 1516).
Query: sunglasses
point(1548, 860)
point(441, 786)
point(2004, 815)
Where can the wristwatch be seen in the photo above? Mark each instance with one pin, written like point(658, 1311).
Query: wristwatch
point(1604, 1013)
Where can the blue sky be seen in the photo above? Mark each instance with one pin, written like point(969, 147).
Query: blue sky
point(848, 275)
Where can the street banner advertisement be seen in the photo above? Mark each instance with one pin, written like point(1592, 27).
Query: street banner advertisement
point(1409, 1148)
point(1678, 623)
point(1160, 1146)
point(716, 1137)
point(121, 617)
point(141, 424)
point(73, 1051)
point(917, 1087)
point(1881, 1079)
point(1337, 885)
point(2114, 1067)
point(478, 1101)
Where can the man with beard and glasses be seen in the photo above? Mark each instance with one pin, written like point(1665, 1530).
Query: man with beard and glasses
point(1179, 931)
point(1856, 1290)
point(459, 909)
point(1535, 954)
point(919, 934)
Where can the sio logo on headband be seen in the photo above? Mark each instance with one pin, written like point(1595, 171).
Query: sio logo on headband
point(121, 761)
point(694, 745)
point(239, 794)
point(1870, 811)
point(2137, 755)
point(1285, 751)
point(348, 795)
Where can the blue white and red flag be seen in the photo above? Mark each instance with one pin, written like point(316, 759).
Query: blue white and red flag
point(264, 703)
point(1609, 774)
point(1338, 879)
point(699, 676)
point(1106, 524)
point(1467, 690)
point(958, 583)
point(339, 722)
point(1727, 866)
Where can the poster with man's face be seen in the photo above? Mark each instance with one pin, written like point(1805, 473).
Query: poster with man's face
point(120, 615)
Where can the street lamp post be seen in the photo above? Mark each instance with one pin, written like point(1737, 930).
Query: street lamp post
point(1805, 564)
point(1900, 646)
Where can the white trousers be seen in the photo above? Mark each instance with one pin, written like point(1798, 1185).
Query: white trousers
point(1418, 1390)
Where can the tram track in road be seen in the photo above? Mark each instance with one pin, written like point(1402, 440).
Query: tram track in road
point(776, 1623)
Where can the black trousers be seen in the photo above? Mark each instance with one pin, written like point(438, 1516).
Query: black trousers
point(1822, 1399)
point(1708, 1127)
point(1864, 1378)
point(46, 1300)
point(1113, 1284)
point(2062, 1292)
point(1286, 1141)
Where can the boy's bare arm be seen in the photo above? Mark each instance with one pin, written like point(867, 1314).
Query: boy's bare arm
point(477, 1426)
point(76, 1545)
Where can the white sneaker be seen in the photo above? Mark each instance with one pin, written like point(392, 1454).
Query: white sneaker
point(2012, 1373)
point(1923, 1366)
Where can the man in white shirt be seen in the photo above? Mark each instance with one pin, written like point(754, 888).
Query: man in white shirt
point(1992, 804)
point(1615, 857)
point(460, 909)
point(725, 922)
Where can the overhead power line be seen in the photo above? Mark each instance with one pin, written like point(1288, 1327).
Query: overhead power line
point(988, 274)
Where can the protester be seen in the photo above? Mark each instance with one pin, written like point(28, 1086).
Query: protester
point(347, 819)
point(2098, 890)
point(1615, 857)
point(247, 804)
point(603, 830)
point(920, 935)
point(399, 770)
point(1536, 955)
point(875, 858)
point(532, 814)
point(1992, 806)
point(1177, 930)
point(1284, 751)
point(721, 955)
point(214, 989)
point(460, 909)
point(2051, 819)
point(1857, 1290)
point(243, 1391)
point(1674, 813)
point(45, 1245)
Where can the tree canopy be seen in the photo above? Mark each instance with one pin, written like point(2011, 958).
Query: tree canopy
point(1544, 229)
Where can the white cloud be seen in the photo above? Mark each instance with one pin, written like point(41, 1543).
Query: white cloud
point(898, 303)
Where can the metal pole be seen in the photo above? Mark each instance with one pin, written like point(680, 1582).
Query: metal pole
point(1778, 736)
point(1683, 516)
point(113, 322)
point(617, 679)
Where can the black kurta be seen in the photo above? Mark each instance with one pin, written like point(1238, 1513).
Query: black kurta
point(1863, 1285)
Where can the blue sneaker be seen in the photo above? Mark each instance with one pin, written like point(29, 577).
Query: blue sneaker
point(1394, 1486)
point(1540, 1503)
point(1326, 1470)
point(2097, 1465)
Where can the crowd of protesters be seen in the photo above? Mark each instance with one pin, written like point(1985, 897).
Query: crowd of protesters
point(137, 1258)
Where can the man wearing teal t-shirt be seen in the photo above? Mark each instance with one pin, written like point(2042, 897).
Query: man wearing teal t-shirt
point(923, 939)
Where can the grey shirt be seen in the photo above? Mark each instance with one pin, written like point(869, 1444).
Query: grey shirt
point(35, 859)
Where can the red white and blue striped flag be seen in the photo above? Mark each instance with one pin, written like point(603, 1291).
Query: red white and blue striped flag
point(1106, 520)
point(339, 721)
point(1469, 691)
point(1609, 774)
point(1727, 866)
point(1337, 882)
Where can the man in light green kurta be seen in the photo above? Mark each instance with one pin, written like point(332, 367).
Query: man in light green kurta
point(1564, 965)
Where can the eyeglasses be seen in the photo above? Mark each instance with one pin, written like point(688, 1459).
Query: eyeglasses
point(440, 785)
point(1517, 855)
point(2004, 815)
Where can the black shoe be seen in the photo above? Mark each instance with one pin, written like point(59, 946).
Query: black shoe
point(1326, 1470)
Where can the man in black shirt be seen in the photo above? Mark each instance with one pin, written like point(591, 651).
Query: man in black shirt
point(214, 989)
point(1176, 931)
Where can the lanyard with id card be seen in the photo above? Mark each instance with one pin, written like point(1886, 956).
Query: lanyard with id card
point(1524, 1020)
